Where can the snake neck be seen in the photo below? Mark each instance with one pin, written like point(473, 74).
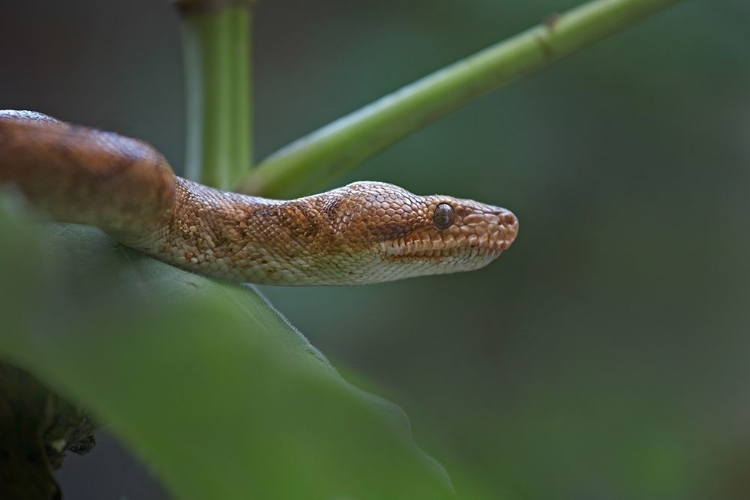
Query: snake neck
point(244, 238)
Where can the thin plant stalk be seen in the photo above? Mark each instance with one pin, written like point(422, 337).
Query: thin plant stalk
point(314, 160)
point(217, 48)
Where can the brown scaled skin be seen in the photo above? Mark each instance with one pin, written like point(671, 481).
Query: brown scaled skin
point(366, 232)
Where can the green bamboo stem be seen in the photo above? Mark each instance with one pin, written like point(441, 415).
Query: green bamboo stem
point(346, 143)
point(216, 39)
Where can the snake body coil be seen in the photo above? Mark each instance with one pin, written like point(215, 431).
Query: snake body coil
point(366, 232)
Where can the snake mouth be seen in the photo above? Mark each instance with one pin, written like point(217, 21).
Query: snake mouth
point(452, 249)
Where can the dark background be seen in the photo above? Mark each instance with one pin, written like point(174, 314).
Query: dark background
point(605, 356)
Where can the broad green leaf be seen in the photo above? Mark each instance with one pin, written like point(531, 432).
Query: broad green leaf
point(203, 380)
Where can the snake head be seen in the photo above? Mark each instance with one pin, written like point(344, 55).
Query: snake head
point(417, 235)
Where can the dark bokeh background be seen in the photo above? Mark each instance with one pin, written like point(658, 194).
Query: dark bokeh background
point(606, 355)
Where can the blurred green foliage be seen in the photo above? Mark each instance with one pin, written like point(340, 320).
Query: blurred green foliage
point(208, 382)
point(605, 355)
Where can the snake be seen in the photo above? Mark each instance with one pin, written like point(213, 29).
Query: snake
point(362, 233)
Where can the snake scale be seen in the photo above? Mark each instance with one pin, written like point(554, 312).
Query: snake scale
point(366, 232)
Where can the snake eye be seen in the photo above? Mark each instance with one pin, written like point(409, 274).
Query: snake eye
point(443, 217)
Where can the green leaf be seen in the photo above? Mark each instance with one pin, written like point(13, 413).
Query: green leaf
point(203, 380)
